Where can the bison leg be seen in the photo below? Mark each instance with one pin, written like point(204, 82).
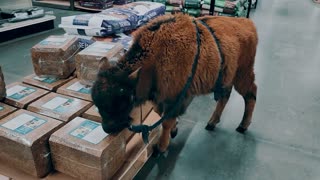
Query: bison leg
point(215, 118)
point(185, 104)
point(164, 141)
point(248, 89)
point(174, 131)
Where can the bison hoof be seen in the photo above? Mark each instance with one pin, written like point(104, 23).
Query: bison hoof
point(156, 152)
point(210, 127)
point(241, 130)
point(174, 133)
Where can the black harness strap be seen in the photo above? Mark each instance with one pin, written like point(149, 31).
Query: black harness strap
point(218, 90)
point(145, 129)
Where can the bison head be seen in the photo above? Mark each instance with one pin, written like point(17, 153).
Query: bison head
point(113, 94)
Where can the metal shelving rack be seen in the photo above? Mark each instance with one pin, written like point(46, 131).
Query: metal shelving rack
point(59, 4)
point(70, 5)
point(213, 2)
point(13, 30)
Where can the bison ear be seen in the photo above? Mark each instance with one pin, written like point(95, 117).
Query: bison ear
point(134, 76)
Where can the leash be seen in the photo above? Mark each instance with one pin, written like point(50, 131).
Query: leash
point(145, 129)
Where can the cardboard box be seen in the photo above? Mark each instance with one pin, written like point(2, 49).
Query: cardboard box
point(75, 89)
point(83, 150)
point(2, 86)
point(24, 142)
point(89, 59)
point(5, 110)
point(124, 39)
point(21, 95)
point(84, 41)
point(3, 177)
point(54, 56)
point(137, 153)
point(58, 106)
point(47, 83)
point(93, 114)
point(16, 174)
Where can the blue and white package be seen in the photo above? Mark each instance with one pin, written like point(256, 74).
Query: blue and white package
point(114, 20)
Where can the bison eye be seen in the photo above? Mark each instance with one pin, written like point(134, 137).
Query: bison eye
point(121, 90)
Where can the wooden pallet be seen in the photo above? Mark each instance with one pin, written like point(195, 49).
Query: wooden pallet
point(138, 153)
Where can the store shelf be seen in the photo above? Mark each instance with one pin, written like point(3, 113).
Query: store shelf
point(10, 31)
point(59, 4)
point(213, 2)
point(15, 4)
point(77, 6)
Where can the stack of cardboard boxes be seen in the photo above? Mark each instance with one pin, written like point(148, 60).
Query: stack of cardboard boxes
point(49, 124)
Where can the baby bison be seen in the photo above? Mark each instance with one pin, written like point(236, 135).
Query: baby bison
point(160, 60)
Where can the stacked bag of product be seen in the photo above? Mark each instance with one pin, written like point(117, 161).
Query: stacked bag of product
point(173, 6)
point(121, 2)
point(192, 7)
point(16, 15)
point(96, 4)
point(49, 122)
point(232, 8)
point(254, 4)
point(113, 20)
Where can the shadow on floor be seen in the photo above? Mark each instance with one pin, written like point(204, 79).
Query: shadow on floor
point(166, 162)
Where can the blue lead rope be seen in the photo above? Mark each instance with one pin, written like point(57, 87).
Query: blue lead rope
point(145, 129)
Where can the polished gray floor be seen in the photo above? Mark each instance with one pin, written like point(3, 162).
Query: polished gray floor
point(283, 142)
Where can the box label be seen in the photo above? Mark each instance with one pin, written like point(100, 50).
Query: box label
point(89, 131)
point(78, 87)
point(53, 41)
point(18, 92)
point(58, 104)
point(46, 80)
point(24, 123)
point(104, 46)
point(98, 48)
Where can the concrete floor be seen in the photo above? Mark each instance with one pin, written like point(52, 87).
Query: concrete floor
point(283, 142)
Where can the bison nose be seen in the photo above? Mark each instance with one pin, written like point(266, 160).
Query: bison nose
point(106, 129)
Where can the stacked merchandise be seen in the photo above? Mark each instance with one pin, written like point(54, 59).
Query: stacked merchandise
point(173, 6)
point(232, 8)
point(113, 20)
point(98, 54)
point(254, 4)
point(121, 2)
point(160, 1)
point(96, 4)
point(125, 40)
point(54, 124)
point(16, 15)
point(192, 7)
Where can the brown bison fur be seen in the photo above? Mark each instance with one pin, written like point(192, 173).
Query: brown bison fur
point(159, 61)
